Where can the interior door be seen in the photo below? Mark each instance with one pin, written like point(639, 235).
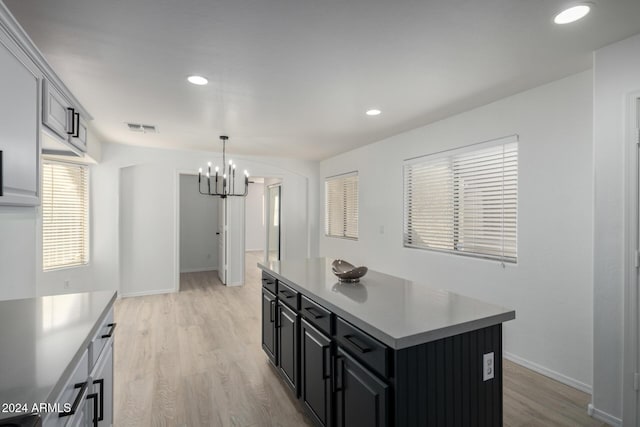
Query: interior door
point(222, 240)
point(273, 223)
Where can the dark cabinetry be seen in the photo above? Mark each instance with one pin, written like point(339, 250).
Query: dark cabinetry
point(269, 283)
point(269, 325)
point(287, 296)
point(315, 373)
point(298, 336)
point(317, 315)
point(287, 327)
point(361, 398)
point(346, 378)
point(280, 329)
point(369, 351)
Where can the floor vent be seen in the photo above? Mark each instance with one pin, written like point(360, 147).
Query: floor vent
point(136, 127)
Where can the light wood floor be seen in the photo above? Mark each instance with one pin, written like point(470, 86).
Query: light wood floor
point(194, 359)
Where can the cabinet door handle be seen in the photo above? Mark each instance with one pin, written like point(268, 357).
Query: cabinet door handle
point(338, 369)
point(76, 401)
point(272, 309)
point(101, 395)
point(357, 343)
point(1, 175)
point(76, 124)
point(326, 370)
point(113, 327)
point(277, 324)
point(310, 310)
point(71, 120)
point(94, 397)
point(287, 294)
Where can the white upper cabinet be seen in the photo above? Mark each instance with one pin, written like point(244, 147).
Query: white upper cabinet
point(79, 137)
point(56, 111)
point(64, 121)
point(19, 126)
point(32, 95)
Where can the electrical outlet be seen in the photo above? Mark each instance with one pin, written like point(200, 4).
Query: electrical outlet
point(487, 366)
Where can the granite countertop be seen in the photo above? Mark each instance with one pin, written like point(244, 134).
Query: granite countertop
point(398, 312)
point(42, 339)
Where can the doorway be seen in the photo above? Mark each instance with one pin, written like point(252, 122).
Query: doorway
point(263, 219)
point(274, 218)
point(636, 245)
point(200, 234)
point(631, 378)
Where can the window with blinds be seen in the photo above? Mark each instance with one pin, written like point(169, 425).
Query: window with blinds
point(464, 201)
point(341, 206)
point(65, 215)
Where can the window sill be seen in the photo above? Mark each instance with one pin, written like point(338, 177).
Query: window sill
point(341, 237)
point(67, 267)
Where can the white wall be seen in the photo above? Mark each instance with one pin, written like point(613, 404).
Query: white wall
point(17, 252)
point(551, 285)
point(20, 248)
point(82, 278)
point(235, 236)
point(145, 248)
point(616, 77)
point(254, 218)
point(149, 245)
point(198, 227)
point(21, 274)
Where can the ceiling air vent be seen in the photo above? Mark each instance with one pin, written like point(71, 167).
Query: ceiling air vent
point(136, 127)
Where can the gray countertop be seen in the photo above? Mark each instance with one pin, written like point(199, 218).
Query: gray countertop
point(41, 339)
point(398, 312)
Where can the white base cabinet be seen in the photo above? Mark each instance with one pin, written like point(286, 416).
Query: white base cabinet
point(75, 393)
point(89, 389)
point(102, 386)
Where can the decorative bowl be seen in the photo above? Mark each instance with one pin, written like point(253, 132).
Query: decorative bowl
point(346, 272)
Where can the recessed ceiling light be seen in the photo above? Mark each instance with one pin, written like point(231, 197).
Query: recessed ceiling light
point(572, 14)
point(197, 80)
point(373, 112)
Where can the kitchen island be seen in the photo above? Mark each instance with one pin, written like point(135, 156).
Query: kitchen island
point(382, 352)
point(56, 358)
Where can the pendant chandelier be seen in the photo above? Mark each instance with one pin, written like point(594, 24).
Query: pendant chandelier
point(223, 186)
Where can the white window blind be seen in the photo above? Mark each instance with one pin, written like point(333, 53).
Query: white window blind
point(341, 206)
point(65, 215)
point(464, 201)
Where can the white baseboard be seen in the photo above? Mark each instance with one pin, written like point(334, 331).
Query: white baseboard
point(198, 270)
point(603, 416)
point(549, 373)
point(234, 284)
point(145, 293)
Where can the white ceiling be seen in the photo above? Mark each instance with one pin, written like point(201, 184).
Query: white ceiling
point(293, 78)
